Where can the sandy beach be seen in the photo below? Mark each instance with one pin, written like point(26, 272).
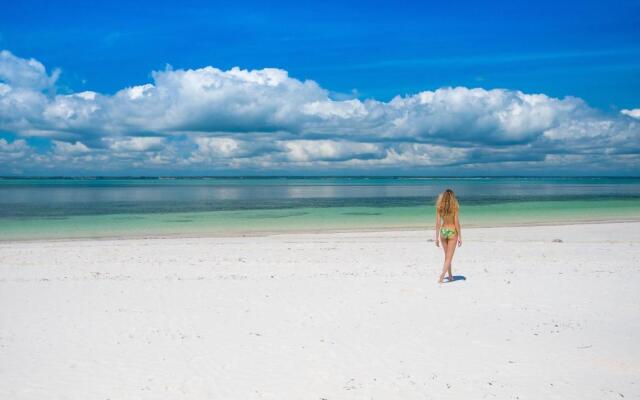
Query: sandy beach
point(544, 312)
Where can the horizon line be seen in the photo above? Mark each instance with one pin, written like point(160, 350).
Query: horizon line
point(301, 176)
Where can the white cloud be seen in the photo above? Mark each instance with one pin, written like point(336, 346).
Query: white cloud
point(209, 148)
point(635, 113)
point(341, 109)
point(69, 149)
point(15, 150)
point(135, 144)
point(21, 109)
point(481, 116)
point(265, 118)
point(419, 154)
point(330, 150)
point(22, 73)
point(209, 100)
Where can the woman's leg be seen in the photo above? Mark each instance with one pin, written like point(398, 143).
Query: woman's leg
point(444, 243)
point(451, 248)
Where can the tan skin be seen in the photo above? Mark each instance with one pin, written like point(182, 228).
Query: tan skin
point(448, 245)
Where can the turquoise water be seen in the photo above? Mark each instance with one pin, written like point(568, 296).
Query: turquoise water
point(107, 207)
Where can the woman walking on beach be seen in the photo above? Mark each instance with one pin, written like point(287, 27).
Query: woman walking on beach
point(447, 229)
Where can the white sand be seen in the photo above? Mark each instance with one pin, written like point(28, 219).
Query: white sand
point(324, 316)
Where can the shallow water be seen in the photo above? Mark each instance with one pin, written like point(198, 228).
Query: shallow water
point(59, 208)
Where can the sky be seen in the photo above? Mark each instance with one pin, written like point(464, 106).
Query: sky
point(326, 88)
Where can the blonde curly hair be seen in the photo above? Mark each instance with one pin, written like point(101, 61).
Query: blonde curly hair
point(447, 204)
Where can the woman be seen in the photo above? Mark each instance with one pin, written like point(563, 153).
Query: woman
point(449, 231)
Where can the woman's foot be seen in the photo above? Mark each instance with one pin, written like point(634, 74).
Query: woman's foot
point(441, 279)
point(450, 278)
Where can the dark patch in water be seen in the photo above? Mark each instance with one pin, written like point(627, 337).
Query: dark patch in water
point(54, 218)
point(178, 220)
point(361, 213)
point(130, 217)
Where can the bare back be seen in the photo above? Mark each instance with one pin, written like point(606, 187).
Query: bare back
point(448, 219)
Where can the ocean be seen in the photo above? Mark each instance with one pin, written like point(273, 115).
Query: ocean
point(52, 208)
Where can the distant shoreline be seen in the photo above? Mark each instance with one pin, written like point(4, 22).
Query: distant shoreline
point(143, 177)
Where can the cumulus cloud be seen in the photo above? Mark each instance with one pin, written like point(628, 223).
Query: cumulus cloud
point(16, 150)
point(265, 118)
point(22, 73)
point(330, 150)
point(135, 144)
point(208, 100)
point(65, 148)
point(635, 113)
point(224, 148)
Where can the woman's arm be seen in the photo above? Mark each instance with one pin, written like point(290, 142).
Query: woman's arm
point(459, 230)
point(437, 229)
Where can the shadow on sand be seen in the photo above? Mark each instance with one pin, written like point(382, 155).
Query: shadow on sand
point(457, 278)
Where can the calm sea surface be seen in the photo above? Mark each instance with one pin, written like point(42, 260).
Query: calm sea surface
point(53, 208)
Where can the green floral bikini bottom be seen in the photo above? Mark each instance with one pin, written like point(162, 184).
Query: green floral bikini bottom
point(447, 233)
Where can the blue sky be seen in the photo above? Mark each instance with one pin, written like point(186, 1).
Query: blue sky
point(352, 50)
point(586, 49)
